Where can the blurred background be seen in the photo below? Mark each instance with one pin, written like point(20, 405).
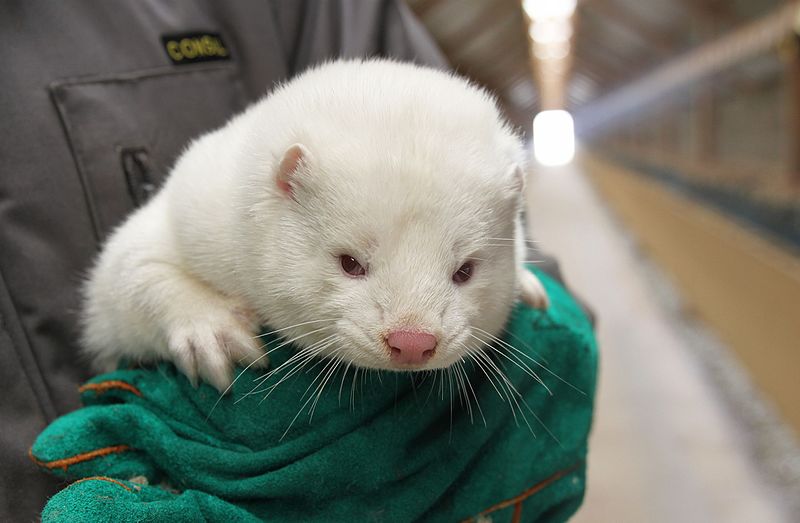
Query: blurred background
point(666, 179)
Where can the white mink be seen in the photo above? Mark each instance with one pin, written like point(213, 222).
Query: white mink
point(369, 210)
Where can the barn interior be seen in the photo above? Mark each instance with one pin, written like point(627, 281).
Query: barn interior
point(676, 215)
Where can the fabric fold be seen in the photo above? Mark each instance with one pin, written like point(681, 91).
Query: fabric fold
point(380, 446)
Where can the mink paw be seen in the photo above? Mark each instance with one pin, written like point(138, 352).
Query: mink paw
point(213, 341)
point(532, 290)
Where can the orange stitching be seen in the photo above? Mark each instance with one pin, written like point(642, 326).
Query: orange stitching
point(517, 516)
point(104, 478)
point(518, 499)
point(103, 386)
point(78, 458)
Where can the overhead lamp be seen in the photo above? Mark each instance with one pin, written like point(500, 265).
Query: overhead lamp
point(542, 9)
point(555, 51)
point(554, 30)
point(553, 68)
point(553, 138)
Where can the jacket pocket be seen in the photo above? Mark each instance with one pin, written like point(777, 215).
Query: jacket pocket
point(126, 130)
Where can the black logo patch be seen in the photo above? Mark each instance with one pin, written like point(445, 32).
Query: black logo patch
point(195, 47)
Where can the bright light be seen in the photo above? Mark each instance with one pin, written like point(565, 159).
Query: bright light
point(556, 30)
point(556, 52)
point(553, 138)
point(541, 9)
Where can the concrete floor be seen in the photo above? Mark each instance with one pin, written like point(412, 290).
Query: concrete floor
point(664, 448)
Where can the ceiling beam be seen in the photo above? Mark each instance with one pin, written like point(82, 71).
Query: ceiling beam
point(514, 63)
point(496, 29)
point(698, 65)
point(593, 70)
point(487, 17)
point(655, 38)
point(619, 69)
point(421, 7)
point(711, 12)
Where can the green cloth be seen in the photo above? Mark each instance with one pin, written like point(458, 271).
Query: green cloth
point(381, 446)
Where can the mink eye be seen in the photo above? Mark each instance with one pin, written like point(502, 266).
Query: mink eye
point(464, 273)
point(351, 267)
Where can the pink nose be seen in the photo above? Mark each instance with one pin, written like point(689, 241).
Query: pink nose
point(412, 348)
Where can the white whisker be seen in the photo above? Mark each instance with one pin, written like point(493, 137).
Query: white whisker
point(229, 387)
point(292, 327)
point(321, 387)
point(469, 384)
point(304, 357)
point(513, 358)
point(514, 239)
point(344, 375)
point(524, 354)
point(311, 397)
point(512, 392)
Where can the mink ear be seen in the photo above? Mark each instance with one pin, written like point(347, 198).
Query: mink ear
point(515, 178)
point(293, 159)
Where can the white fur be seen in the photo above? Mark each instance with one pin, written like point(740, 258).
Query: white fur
point(409, 170)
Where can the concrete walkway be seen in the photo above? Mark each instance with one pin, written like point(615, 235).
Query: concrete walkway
point(663, 448)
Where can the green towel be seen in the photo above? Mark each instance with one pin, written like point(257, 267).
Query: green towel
point(380, 446)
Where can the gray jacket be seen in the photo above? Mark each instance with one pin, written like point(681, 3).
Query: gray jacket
point(96, 101)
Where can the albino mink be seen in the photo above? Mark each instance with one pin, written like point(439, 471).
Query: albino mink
point(368, 210)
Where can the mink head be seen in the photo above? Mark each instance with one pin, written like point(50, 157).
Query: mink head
point(381, 211)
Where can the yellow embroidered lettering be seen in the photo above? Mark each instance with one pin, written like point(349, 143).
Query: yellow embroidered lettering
point(173, 51)
point(188, 48)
